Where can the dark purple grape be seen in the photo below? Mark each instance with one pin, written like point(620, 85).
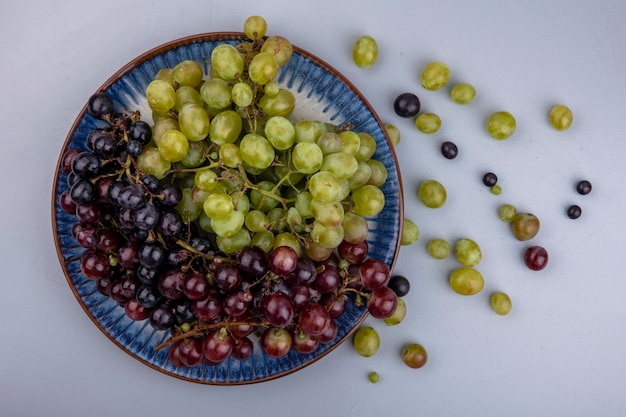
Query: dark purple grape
point(114, 191)
point(382, 303)
point(100, 105)
point(196, 286)
point(574, 211)
point(235, 304)
point(183, 312)
point(314, 319)
point(252, 262)
point(104, 144)
point(72, 179)
point(407, 105)
point(227, 277)
point(89, 212)
point(327, 280)
point(190, 351)
point(82, 192)
point(400, 285)
point(128, 255)
point(146, 217)
point(136, 311)
point(66, 203)
point(150, 182)
point(148, 296)
point(134, 148)
point(283, 260)
point(108, 240)
point(278, 309)
point(87, 237)
point(304, 273)
point(151, 255)
point(201, 244)
point(209, 307)
point(490, 179)
point(583, 187)
point(86, 165)
point(102, 186)
point(95, 264)
point(161, 317)
point(217, 346)
point(354, 253)
point(172, 283)
point(68, 159)
point(449, 150)
point(170, 195)
point(242, 349)
point(132, 196)
point(140, 131)
point(170, 223)
point(147, 275)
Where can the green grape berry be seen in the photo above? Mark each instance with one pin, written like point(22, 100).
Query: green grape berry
point(561, 117)
point(463, 93)
point(366, 341)
point(466, 281)
point(428, 123)
point(365, 52)
point(507, 212)
point(438, 248)
point(501, 303)
point(467, 252)
point(432, 194)
point(394, 134)
point(255, 27)
point(501, 125)
point(435, 75)
point(410, 232)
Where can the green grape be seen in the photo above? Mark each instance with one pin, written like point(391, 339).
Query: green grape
point(150, 161)
point(188, 73)
point(561, 117)
point(264, 240)
point(501, 303)
point(262, 68)
point(355, 227)
point(368, 200)
point(255, 27)
point(345, 189)
point(216, 93)
point(227, 62)
point(271, 89)
point(432, 194)
point(303, 204)
point(330, 142)
point(324, 187)
point(309, 130)
point(173, 145)
point(342, 165)
point(435, 75)
point(367, 147)
point(378, 172)
point(241, 201)
point(187, 95)
point(288, 239)
point(463, 93)
point(227, 225)
point(242, 94)
point(373, 377)
point(366, 341)
point(256, 221)
point(350, 141)
point(467, 252)
point(187, 207)
point(361, 176)
point(256, 151)
point(328, 214)
point(293, 177)
point(501, 125)
point(410, 233)
point(230, 155)
point(365, 52)
point(438, 248)
point(280, 132)
point(394, 134)
point(165, 74)
point(466, 281)
point(162, 125)
point(233, 244)
point(495, 189)
point(195, 155)
point(281, 104)
point(295, 220)
point(262, 202)
point(225, 127)
point(428, 123)
point(280, 47)
point(507, 212)
point(218, 204)
point(194, 122)
point(161, 97)
point(206, 179)
point(204, 222)
point(307, 157)
point(398, 315)
point(326, 236)
point(316, 253)
point(277, 218)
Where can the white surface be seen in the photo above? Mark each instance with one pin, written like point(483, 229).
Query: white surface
point(561, 351)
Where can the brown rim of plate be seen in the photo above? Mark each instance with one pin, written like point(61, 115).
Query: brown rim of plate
point(184, 41)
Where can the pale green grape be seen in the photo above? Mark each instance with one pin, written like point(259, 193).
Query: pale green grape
point(280, 47)
point(216, 93)
point(150, 161)
point(255, 27)
point(218, 204)
point(256, 151)
point(410, 232)
point(463, 93)
point(285, 170)
point(432, 194)
point(316, 253)
point(398, 315)
point(194, 122)
point(501, 303)
point(467, 252)
point(394, 134)
point(294, 219)
point(435, 75)
point(280, 132)
point(235, 243)
point(361, 176)
point(342, 165)
point(261, 201)
point(271, 88)
point(187, 95)
point(326, 236)
point(281, 104)
point(188, 73)
point(195, 155)
point(165, 74)
point(428, 123)
point(162, 125)
point(206, 179)
point(328, 214)
point(350, 141)
point(204, 222)
point(287, 239)
point(256, 221)
point(368, 200)
point(309, 130)
point(365, 52)
point(277, 218)
point(501, 125)
point(242, 94)
point(324, 187)
point(227, 225)
point(264, 240)
point(367, 147)
point(227, 62)
point(507, 212)
point(161, 97)
point(366, 341)
point(438, 248)
point(173, 145)
point(330, 142)
point(345, 189)
point(561, 117)
point(303, 204)
point(241, 201)
point(225, 127)
point(378, 172)
point(263, 68)
point(230, 155)
point(355, 227)
point(187, 207)
point(466, 281)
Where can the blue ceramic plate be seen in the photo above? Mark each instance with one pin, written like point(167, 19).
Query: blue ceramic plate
point(323, 94)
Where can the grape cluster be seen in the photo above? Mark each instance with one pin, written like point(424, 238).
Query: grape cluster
point(224, 220)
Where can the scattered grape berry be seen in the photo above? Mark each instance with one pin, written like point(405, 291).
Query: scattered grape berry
point(407, 105)
point(583, 187)
point(536, 258)
point(574, 211)
point(449, 150)
point(490, 179)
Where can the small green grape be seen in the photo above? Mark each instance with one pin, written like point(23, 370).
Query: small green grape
point(428, 123)
point(373, 377)
point(495, 189)
point(366, 341)
point(255, 27)
point(398, 315)
point(350, 142)
point(161, 96)
point(173, 145)
point(188, 73)
point(365, 52)
point(561, 117)
point(438, 248)
point(432, 194)
point(368, 200)
point(501, 303)
point(435, 75)
point(466, 281)
point(501, 125)
point(242, 94)
point(467, 252)
point(507, 212)
point(463, 93)
point(367, 147)
point(394, 134)
point(150, 161)
point(410, 232)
